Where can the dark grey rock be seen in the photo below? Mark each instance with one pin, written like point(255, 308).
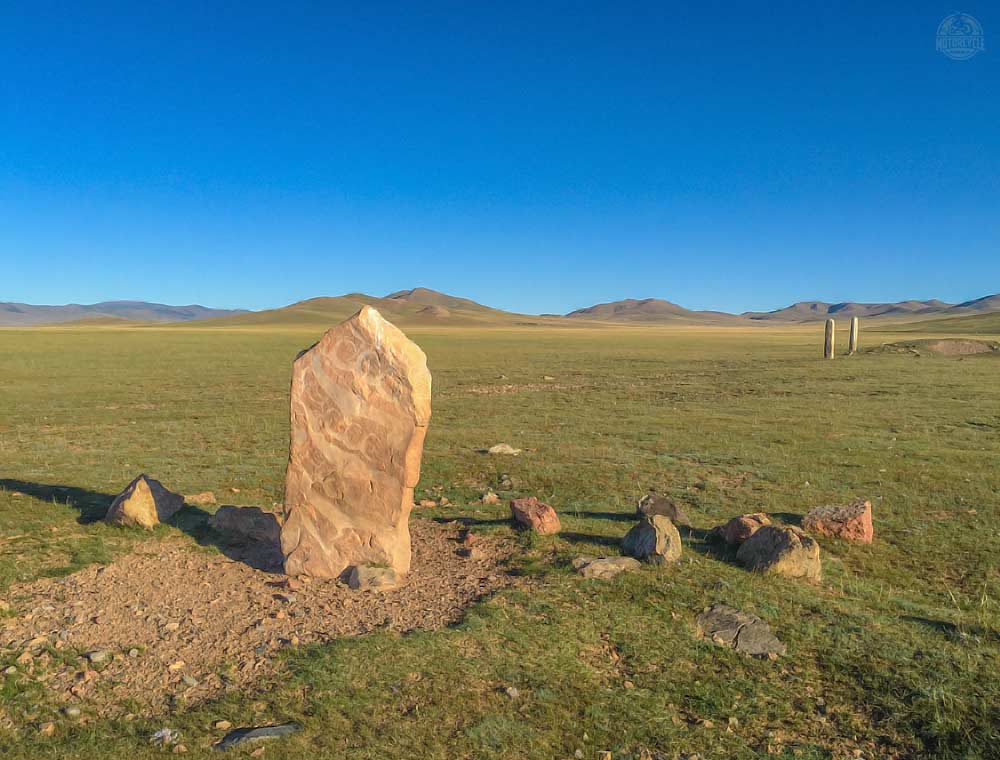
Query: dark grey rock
point(656, 504)
point(249, 735)
point(738, 630)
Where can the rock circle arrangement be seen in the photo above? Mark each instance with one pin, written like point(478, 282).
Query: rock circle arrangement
point(360, 406)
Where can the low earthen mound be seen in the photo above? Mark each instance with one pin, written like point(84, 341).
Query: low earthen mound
point(941, 347)
point(172, 620)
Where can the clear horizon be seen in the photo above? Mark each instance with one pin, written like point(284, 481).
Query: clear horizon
point(537, 159)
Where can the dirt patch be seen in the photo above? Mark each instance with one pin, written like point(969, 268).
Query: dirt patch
point(173, 619)
point(941, 347)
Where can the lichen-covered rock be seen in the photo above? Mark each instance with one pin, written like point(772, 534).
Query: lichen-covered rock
point(781, 550)
point(653, 539)
point(604, 568)
point(535, 515)
point(144, 503)
point(852, 522)
point(741, 631)
point(246, 524)
point(360, 405)
point(740, 528)
point(656, 504)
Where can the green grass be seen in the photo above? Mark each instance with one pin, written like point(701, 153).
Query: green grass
point(897, 652)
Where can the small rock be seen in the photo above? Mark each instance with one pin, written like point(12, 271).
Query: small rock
point(179, 749)
point(427, 503)
point(534, 514)
point(47, 729)
point(783, 551)
point(512, 692)
point(165, 737)
point(654, 539)
point(243, 736)
point(489, 498)
point(368, 578)
point(655, 504)
point(851, 522)
point(628, 685)
point(503, 448)
point(71, 712)
point(604, 568)
point(739, 529)
point(222, 725)
point(144, 503)
point(133, 652)
point(171, 626)
point(742, 631)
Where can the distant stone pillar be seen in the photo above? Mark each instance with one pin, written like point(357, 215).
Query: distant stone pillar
point(852, 345)
point(828, 343)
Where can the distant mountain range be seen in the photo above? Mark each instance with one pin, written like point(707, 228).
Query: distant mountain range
point(656, 310)
point(23, 315)
point(809, 311)
point(425, 306)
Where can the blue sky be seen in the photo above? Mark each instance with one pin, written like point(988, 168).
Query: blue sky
point(535, 156)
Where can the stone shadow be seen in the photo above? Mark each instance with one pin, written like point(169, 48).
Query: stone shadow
point(192, 520)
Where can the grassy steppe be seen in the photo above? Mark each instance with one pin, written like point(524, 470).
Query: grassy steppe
point(896, 653)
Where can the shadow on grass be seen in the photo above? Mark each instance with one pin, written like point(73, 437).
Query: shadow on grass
point(192, 520)
point(788, 518)
point(617, 516)
point(470, 522)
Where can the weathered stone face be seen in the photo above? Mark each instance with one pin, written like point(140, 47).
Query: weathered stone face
point(360, 405)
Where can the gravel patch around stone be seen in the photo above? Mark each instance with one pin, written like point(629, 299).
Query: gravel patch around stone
point(175, 619)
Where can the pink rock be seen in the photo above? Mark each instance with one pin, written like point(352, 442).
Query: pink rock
point(739, 529)
point(852, 522)
point(534, 514)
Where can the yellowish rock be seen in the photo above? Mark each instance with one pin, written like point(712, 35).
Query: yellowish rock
point(144, 503)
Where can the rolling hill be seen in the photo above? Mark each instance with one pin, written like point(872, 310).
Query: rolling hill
point(648, 310)
point(27, 315)
point(404, 307)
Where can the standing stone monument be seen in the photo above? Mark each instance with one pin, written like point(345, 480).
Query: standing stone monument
point(360, 404)
point(852, 344)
